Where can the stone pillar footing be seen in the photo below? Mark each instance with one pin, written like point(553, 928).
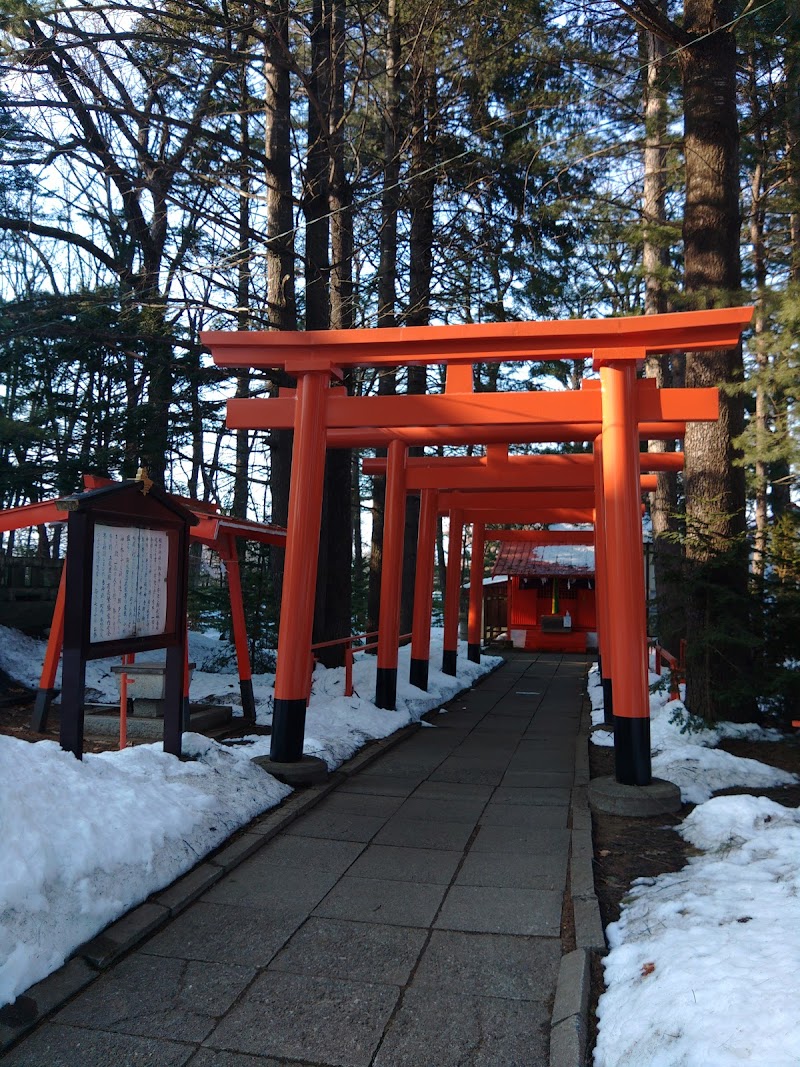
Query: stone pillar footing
point(611, 797)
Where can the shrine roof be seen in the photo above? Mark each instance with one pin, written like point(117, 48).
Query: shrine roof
point(544, 561)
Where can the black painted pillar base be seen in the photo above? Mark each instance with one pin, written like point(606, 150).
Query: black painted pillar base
point(474, 653)
point(386, 688)
point(288, 730)
point(41, 709)
point(449, 657)
point(248, 700)
point(187, 716)
point(418, 675)
point(608, 702)
point(632, 751)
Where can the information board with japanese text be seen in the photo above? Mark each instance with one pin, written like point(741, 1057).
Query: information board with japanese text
point(129, 583)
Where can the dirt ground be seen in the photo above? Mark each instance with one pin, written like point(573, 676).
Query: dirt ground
point(625, 849)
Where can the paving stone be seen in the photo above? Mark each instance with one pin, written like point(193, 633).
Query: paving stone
point(412, 833)
point(441, 809)
point(381, 785)
point(535, 763)
point(512, 839)
point(463, 1031)
point(500, 910)
point(207, 1057)
point(537, 779)
point(491, 965)
point(289, 868)
point(453, 791)
point(501, 725)
point(71, 1046)
point(153, 996)
point(338, 825)
point(547, 795)
point(436, 866)
point(399, 766)
point(527, 817)
point(467, 770)
point(358, 952)
point(514, 870)
point(361, 804)
point(307, 1018)
point(221, 933)
point(379, 900)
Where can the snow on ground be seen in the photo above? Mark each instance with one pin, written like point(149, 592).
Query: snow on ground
point(81, 842)
point(703, 963)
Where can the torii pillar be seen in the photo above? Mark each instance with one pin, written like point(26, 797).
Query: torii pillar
point(302, 548)
point(476, 593)
point(423, 589)
point(625, 584)
point(391, 577)
point(452, 593)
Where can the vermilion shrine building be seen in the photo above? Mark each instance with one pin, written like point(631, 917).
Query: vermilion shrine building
point(614, 413)
point(551, 593)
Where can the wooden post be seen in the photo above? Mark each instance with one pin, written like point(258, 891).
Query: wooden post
point(452, 595)
point(624, 565)
point(230, 558)
point(394, 519)
point(78, 597)
point(47, 681)
point(300, 569)
point(423, 589)
point(476, 593)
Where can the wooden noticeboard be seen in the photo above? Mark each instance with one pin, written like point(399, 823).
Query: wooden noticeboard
point(127, 578)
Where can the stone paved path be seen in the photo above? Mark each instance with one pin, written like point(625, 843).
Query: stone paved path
point(411, 919)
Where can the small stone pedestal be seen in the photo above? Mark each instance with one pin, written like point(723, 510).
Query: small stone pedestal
point(146, 690)
point(610, 797)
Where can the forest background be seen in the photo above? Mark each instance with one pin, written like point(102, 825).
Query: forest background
point(174, 167)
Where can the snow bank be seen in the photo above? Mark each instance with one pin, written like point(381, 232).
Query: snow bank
point(684, 748)
point(81, 842)
point(703, 965)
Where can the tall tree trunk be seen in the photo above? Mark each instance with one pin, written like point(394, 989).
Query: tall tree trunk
point(334, 583)
point(280, 247)
point(780, 474)
point(421, 202)
point(716, 547)
point(155, 432)
point(655, 263)
point(759, 261)
point(241, 484)
point(387, 280)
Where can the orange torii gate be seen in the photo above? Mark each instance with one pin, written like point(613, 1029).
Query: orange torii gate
point(529, 476)
point(215, 530)
point(616, 346)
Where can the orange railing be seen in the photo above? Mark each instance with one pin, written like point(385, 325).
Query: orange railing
point(349, 653)
point(677, 667)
